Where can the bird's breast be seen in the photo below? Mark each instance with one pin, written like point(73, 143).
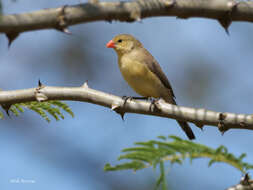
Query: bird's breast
point(131, 68)
point(140, 78)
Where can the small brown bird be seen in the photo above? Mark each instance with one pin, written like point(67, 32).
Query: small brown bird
point(143, 73)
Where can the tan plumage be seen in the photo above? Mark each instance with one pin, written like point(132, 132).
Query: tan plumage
point(143, 73)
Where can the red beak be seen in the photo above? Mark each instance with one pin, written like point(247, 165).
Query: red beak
point(110, 44)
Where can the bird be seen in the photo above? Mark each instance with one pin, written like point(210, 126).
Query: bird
point(143, 73)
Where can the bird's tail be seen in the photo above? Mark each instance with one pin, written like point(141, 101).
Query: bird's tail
point(184, 125)
point(186, 128)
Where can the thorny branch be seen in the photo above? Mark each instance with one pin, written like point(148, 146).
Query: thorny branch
point(224, 11)
point(118, 104)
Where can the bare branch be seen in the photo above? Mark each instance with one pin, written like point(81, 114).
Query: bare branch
point(225, 11)
point(225, 121)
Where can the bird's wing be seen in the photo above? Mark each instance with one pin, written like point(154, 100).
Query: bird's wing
point(154, 66)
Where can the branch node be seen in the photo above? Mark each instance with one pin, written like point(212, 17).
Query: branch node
point(156, 105)
point(221, 125)
point(11, 37)
point(63, 21)
point(136, 14)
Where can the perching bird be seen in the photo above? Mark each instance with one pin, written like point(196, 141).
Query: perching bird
point(143, 73)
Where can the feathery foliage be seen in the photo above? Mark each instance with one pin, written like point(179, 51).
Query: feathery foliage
point(44, 109)
point(174, 150)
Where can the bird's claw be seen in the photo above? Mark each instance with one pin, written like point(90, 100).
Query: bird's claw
point(125, 98)
point(153, 105)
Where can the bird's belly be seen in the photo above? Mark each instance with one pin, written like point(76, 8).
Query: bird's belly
point(143, 81)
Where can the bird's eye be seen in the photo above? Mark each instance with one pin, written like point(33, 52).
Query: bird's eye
point(119, 40)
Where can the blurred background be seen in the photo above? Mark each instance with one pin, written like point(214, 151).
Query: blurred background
point(206, 67)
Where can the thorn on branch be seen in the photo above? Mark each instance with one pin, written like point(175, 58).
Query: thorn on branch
point(199, 126)
point(85, 85)
point(245, 184)
point(6, 108)
point(122, 114)
point(39, 83)
point(63, 21)
point(115, 107)
point(11, 37)
point(226, 20)
point(245, 180)
point(225, 23)
point(221, 125)
point(39, 96)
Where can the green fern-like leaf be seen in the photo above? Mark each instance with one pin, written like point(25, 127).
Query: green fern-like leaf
point(44, 109)
point(174, 150)
point(63, 106)
point(134, 165)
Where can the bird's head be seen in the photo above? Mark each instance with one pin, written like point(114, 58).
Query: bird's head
point(123, 43)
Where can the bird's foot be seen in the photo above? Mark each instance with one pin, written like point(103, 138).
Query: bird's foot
point(153, 106)
point(125, 98)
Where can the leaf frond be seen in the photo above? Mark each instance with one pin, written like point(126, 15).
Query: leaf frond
point(44, 109)
point(176, 150)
